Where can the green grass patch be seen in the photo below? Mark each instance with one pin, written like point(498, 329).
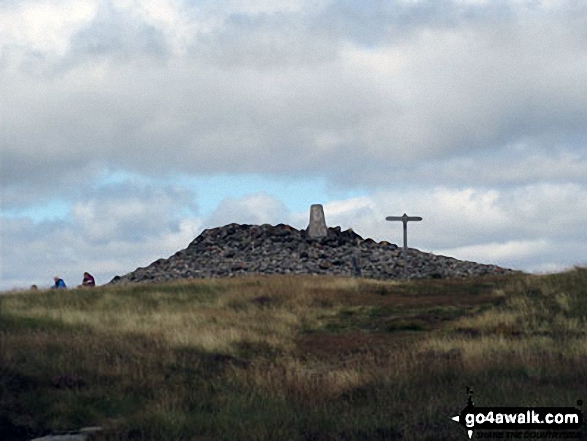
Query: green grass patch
point(275, 358)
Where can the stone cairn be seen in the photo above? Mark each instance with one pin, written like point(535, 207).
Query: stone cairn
point(235, 250)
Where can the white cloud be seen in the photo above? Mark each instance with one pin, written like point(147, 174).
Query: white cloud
point(510, 165)
point(133, 211)
point(339, 209)
point(496, 252)
point(114, 235)
point(255, 209)
point(144, 87)
point(111, 231)
point(471, 114)
point(268, 6)
point(523, 227)
point(44, 27)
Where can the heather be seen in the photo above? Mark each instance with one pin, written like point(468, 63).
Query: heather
point(288, 357)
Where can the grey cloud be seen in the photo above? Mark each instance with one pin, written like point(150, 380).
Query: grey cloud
point(134, 212)
point(266, 41)
point(510, 165)
point(28, 247)
point(316, 33)
point(382, 22)
point(255, 209)
point(67, 252)
point(470, 217)
point(370, 95)
point(111, 230)
point(114, 32)
point(270, 103)
point(114, 230)
point(536, 227)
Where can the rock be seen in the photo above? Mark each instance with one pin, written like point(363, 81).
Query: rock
point(235, 250)
point(324, 264)
point(83, 434)
point(317, 226)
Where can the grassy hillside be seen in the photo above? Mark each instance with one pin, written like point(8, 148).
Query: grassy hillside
point(288, 358)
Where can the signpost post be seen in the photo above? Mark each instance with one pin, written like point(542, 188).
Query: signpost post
point(405, 219)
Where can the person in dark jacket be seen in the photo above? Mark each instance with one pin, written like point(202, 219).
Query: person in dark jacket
point(88, 280)
point(59, 283)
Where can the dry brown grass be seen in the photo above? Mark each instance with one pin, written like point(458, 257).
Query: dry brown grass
point(288, 357)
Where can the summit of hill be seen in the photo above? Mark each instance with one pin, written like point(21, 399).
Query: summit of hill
point(236, 250)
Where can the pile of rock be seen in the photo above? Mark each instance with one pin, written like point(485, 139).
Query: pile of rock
point(235, 250)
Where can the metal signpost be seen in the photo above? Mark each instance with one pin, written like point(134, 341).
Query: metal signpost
point(405, 219)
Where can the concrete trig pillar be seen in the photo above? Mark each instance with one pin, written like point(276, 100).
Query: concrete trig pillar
point(317, 227)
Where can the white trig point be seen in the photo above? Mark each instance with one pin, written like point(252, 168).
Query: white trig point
point(405, 219)
point(317, 227)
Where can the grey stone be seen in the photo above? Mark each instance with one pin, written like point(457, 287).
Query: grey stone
point(83, 434)
point(66, 437)
point(275, 249)
point(317, 226)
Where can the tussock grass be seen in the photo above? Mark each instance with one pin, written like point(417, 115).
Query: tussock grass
point(296, 358)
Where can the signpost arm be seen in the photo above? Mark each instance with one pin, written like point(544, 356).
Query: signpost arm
point(405, 219)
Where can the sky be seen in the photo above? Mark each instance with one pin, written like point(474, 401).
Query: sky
point(127, 127)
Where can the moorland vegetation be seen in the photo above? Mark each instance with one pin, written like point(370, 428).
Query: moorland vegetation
point(288, 358)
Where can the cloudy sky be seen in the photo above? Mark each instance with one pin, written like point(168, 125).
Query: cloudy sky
point(127, 127)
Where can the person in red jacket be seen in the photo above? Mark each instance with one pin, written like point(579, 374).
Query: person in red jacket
point(88, 280)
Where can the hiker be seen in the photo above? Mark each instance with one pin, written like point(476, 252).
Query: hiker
point(88, 280)
point(34, 287)
point(59, 283)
